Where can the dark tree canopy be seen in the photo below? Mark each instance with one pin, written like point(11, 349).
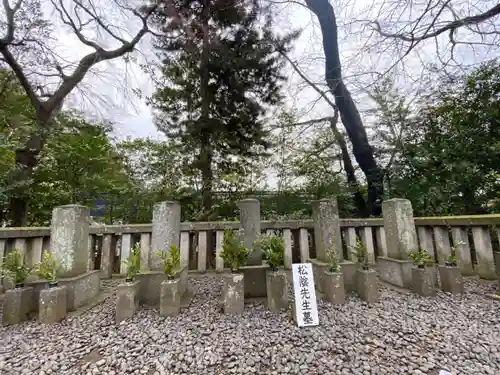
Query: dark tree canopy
point(219, 80)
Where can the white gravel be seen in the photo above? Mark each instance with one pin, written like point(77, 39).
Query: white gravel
point(403, 334)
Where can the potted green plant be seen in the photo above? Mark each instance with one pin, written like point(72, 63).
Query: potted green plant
point(133, 262)
point(332, 278)
point(452, 259)
point(273, 249)
point(333, 260)
point(14, 269)
point(171, 261)
point(48, 269)
point(420, 258)
point(233, 253)
point(361, 253)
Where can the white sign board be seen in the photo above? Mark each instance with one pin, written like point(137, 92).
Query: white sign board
point(306, 309)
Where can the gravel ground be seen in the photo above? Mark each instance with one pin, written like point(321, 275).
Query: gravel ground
point(403, 334)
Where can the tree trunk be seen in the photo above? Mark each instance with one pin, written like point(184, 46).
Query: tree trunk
point(26, 161)
point(350, 172)
point(349, 114)
point(206, 154)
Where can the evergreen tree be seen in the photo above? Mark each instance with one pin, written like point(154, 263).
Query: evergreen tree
point(221, 72)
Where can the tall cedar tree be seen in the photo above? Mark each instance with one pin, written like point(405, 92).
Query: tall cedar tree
point(221, 72)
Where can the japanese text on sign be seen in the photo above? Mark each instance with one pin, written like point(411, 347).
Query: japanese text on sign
point(306, 309)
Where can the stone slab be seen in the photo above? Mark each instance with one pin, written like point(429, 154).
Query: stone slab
point(367, 285)
point(233, 295)
point(127, 300)
point(170, 297)
point(150, 285)
point(395, 271)
point(451, 280)
point(255, 280)
point(17, 305)
point(250, 223)
point(347, 268)
point(69, 239)
point(52, 305)
point(80, 289)
point(423, 281)
point(333, 284)
point(277, 290)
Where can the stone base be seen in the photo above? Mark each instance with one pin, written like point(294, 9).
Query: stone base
point(451, 279)
point(319, 268)
point(333, 284)
point(395, 271)
point(424, 281)
point(496, 257)
point(255, 280)
point(170, 297)
point(127, 300)
point(347, 268)
point(233, 293)
point(80, 289)
point(52, 305)
point(17, 305)
point(150, 285)
point(277, 290)
point(367, 285)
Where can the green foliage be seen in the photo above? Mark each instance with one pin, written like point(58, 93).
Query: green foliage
point(361, 253)
point(420, 257)
point(48, 269)
point(332, 259)
point(171, 260)
point(14, 268)
point(446, 154)
point(452, 259)
point(233, 253)
point(273, 249)
point(133, 262)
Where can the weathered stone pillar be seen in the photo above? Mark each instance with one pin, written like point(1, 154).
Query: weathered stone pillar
point(166, 230)
point(69, 236)
point(401, 239)
point(250, 223)
point(325, 215)
point(327, 232)
point(107, 256)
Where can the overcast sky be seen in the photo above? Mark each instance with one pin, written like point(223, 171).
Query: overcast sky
point(109, 90)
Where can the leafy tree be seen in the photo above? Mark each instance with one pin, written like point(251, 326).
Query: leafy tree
point(217, 84)
point(449, 163)
point(27, 50)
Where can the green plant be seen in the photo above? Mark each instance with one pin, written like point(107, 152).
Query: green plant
point(420, 257)
point(233, 252)
point(13, 267)
point(48, 269)
point(171, 260)
point(332, 259)
point(452, 259)
point(361, 253)
point(133, 262)
point(273, 249)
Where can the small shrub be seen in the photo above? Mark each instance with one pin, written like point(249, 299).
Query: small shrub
point(420, 257)
point(48, 269)
point(235, 255)
point(133, 262)
point(361, 253)
point(273, 249)
point(452, 259)
point(14, 269)
point(171, 260)
point(332, 259)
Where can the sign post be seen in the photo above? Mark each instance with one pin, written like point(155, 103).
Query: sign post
point(306, 308)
